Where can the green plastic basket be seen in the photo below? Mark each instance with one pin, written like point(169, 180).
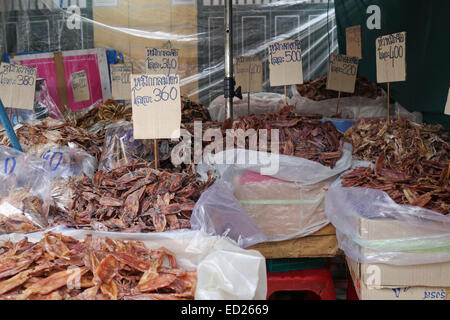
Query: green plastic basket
point(281, 265)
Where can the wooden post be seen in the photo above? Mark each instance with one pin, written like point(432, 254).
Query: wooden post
point(155, 143)
point(285, 95)
point(337, 106)
point(388, 104)
point(248, 98)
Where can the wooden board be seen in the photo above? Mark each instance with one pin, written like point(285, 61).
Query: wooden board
point(322, 243)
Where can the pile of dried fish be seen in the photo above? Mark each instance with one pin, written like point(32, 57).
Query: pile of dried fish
point(22, 212)
point(399, 140)
point(34, 134)
point(300, 135)
point(134, 198)
point(62, 268)
point(317, 89)
point(424, 184)
point(192, 111)
point(110, 111)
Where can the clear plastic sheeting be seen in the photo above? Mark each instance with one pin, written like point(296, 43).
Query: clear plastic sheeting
point(260, 103)
point(372, 228)
point(224, 271)
point(195, 28)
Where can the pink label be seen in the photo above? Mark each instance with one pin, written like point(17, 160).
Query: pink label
point(89, 63)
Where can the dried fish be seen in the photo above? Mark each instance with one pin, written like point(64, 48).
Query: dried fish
point(399, 140)
point(317, 89)
point(133, 198)
point(193, 111)
point(94, 269)
point(425, 184)
point(34, 135)
point(300, 135)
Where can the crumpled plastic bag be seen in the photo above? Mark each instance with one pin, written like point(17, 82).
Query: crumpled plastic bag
point(120, 147)
point(372, 228)
point(24, 192)
point(225, 271)
point(241, 212)
point(260, 103)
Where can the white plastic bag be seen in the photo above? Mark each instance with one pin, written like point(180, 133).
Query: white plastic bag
point(260, 103)
point(372, 228)
point(234, 210)
point(225, 271)
point(349, 107)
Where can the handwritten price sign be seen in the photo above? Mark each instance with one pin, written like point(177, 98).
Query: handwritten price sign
point(17, 86)
point(342, 72)
point(285, 63)
point(80, 86)
point(353, 41)
point(248, 73)
point(120, 81)
point(156, 106)
point(391, 53)
point(162, 61)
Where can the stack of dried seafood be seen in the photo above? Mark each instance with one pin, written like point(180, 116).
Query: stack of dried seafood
point(424, 184)
point(21, 211)
point(193, 111)
point(62, 268)
point(110, 111)
point(33, 135)
point(399, 140)
point(317, 89)
point(300, 135)
point(134, 198)
point(412, 162)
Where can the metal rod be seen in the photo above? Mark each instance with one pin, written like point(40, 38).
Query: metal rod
point(228, 55)
point(9, 128)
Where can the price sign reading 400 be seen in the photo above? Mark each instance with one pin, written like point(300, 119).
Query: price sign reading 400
point(156, 106)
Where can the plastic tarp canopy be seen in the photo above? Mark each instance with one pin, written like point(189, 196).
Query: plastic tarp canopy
point(194, 27)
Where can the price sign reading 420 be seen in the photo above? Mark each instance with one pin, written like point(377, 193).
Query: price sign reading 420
point(285, 63)
point(156, 106)
point(391, 53)
point(162, 61)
